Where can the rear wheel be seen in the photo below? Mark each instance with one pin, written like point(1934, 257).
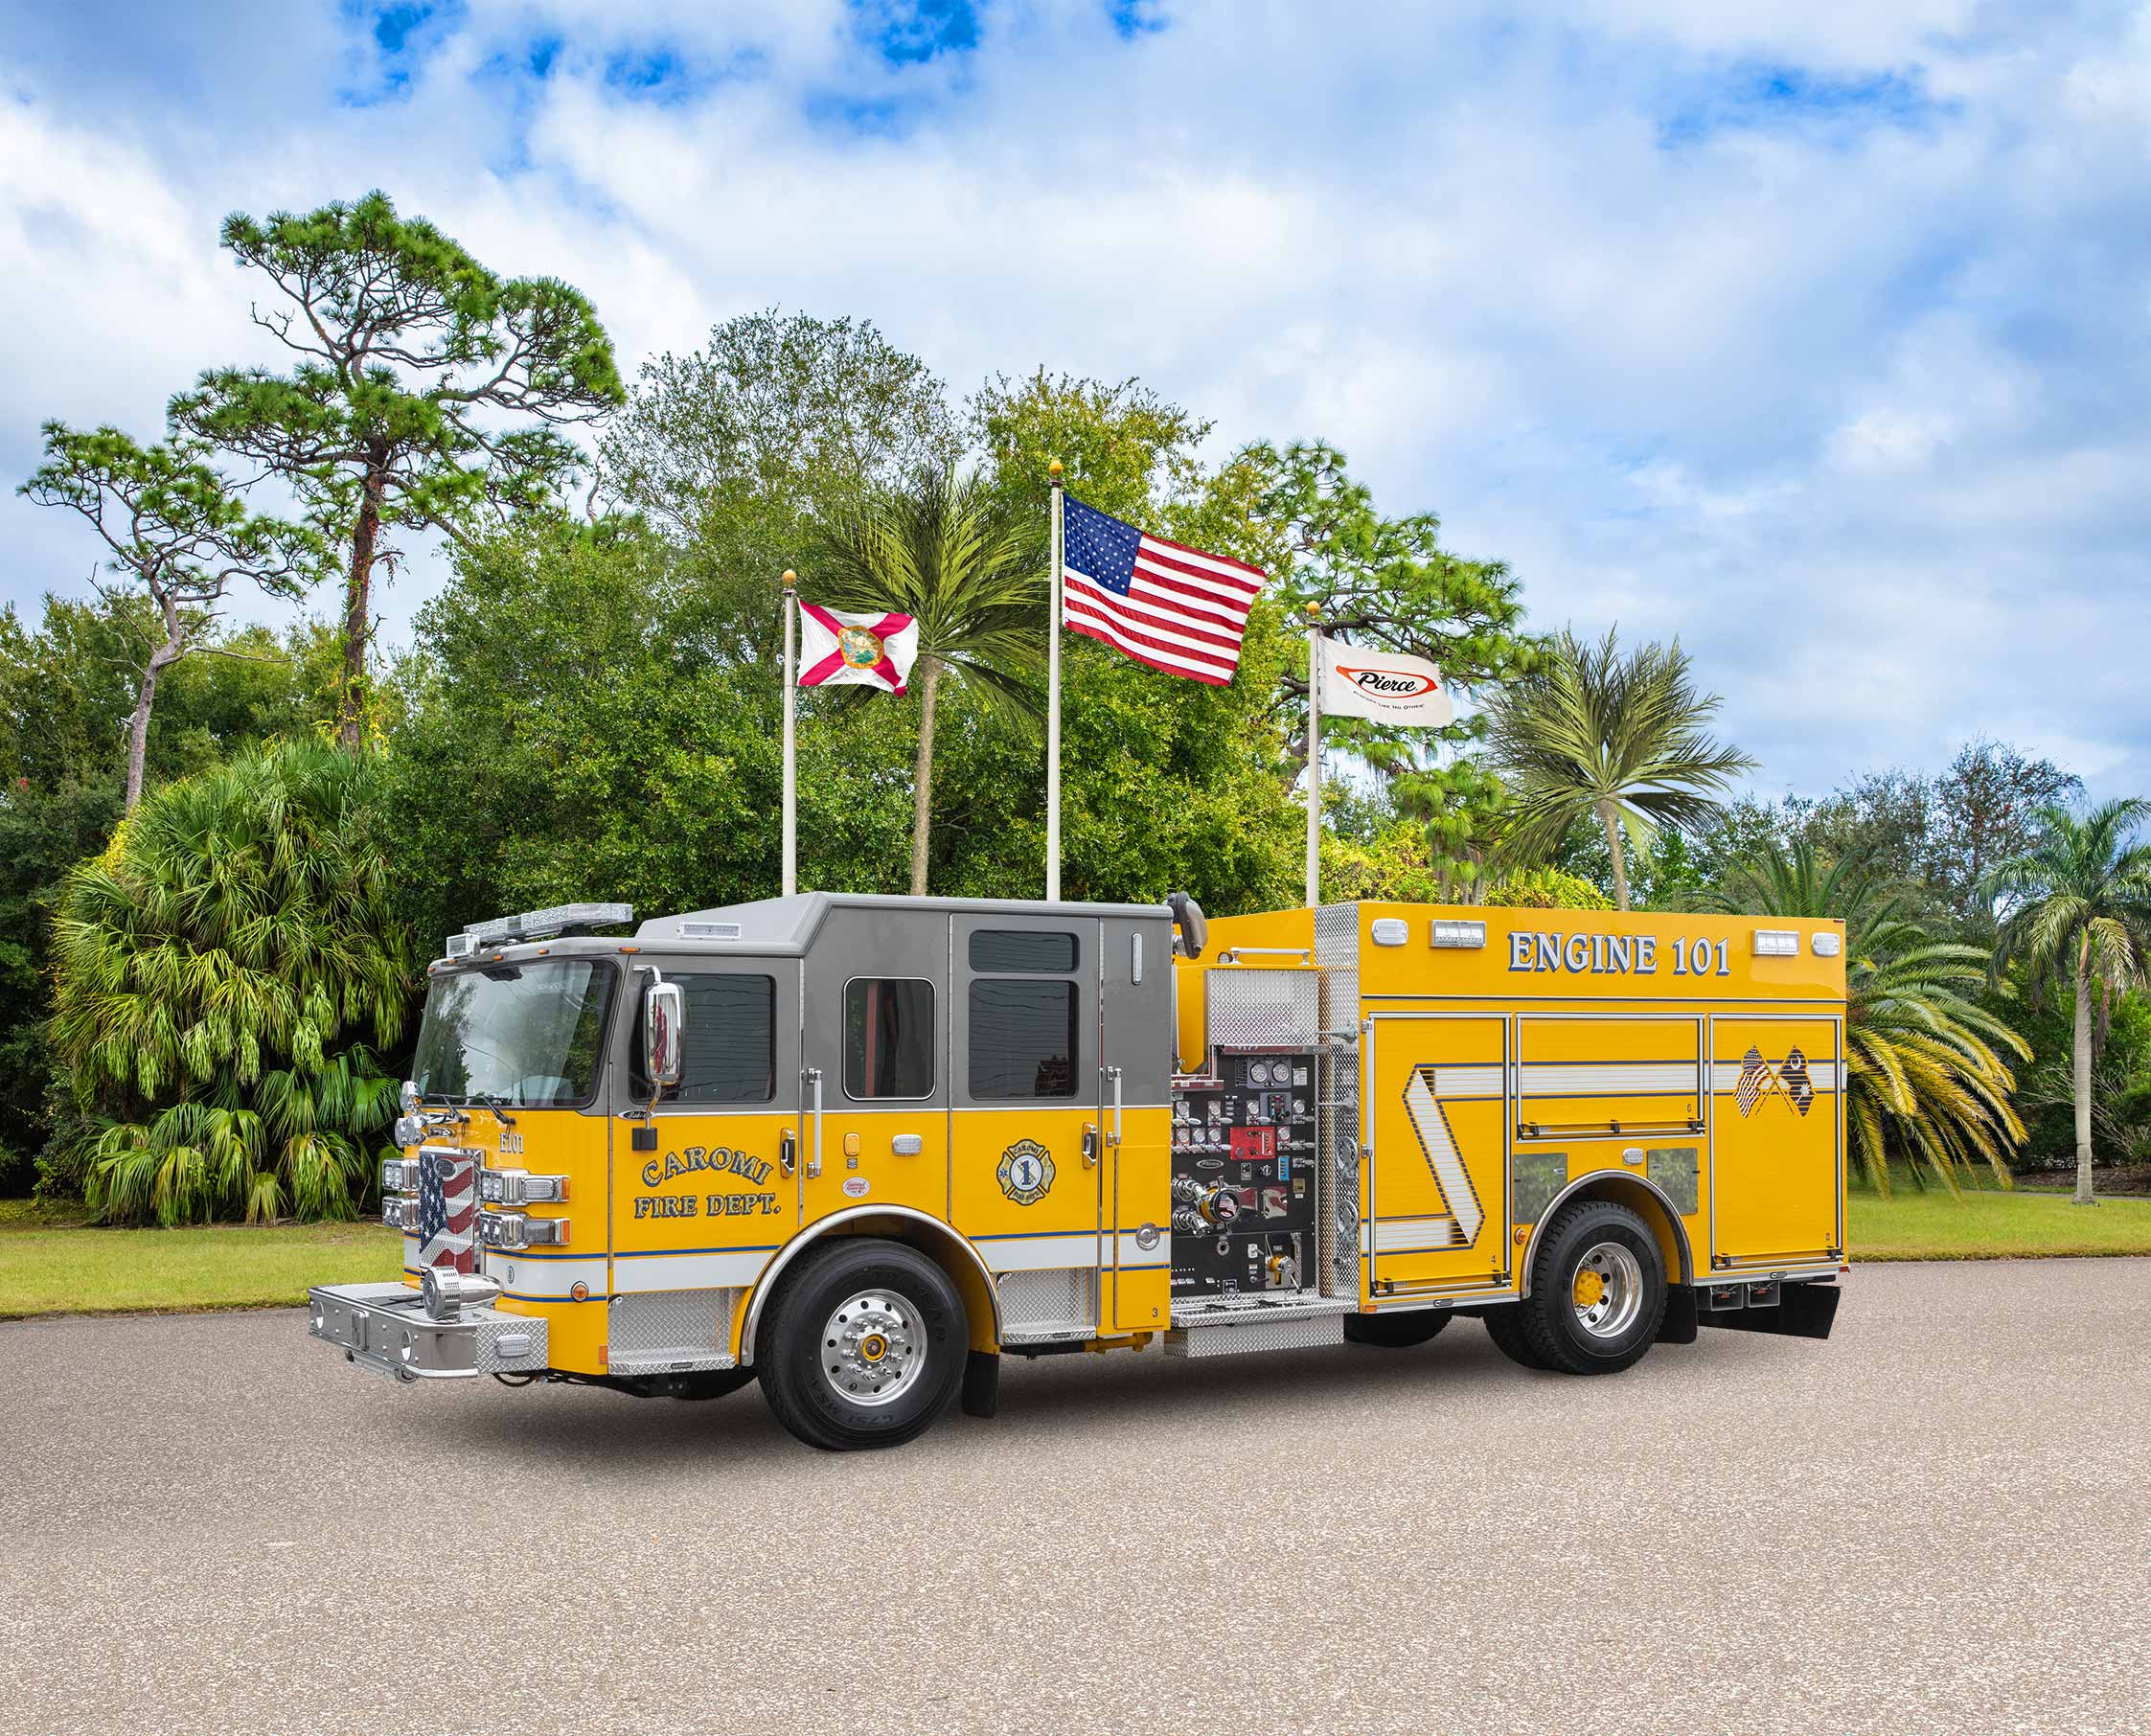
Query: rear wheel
point(1396, 1331)
point(865, 1345)
point(1597, 1290)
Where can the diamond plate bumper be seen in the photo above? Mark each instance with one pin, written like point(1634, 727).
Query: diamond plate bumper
point(384, 1328)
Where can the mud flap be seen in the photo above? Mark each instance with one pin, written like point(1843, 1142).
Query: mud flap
point(982, 1385)
point(1679, 1327)
point(1804, 1310)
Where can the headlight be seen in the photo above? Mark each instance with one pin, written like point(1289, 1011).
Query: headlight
point(512, 1230)
point(401, 1214)
point(400, 1176)
point(519, 1187)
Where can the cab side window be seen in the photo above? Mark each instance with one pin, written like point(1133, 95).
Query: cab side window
point(889, 1038)
point(729, 1054)
point(1023, 1030)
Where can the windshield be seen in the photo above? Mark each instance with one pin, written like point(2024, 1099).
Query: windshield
point(529, 1035)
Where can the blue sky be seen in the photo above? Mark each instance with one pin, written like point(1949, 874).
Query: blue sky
point(1819, 336)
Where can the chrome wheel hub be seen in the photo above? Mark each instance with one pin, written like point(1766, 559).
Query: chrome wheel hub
point(1607, 1290)
point(873, 1348)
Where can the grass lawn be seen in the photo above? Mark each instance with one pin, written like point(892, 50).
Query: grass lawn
point(1988, 1225)
point(53, 1264)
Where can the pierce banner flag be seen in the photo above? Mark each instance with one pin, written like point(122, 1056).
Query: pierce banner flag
point(1382, 686)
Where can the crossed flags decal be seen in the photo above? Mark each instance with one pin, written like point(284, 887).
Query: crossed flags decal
point(1759, 1080)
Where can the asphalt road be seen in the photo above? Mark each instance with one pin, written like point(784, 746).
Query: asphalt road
point(1939, 1520)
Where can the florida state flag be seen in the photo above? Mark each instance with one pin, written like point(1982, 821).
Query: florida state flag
point(837, 649)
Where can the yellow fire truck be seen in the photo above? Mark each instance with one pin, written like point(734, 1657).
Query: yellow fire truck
point(860, 1148)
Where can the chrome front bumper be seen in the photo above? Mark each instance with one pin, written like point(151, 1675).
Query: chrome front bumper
point(385, 1327)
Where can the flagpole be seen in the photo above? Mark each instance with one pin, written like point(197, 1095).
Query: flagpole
point(1053, 703)
point(791, 761)
point(1314, 755)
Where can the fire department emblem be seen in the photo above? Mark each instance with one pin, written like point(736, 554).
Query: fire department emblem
point(1026, 1171)
point(859, 647)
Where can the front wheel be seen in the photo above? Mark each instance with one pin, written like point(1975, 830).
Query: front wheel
point(865, 1347)
point(1597, 1290)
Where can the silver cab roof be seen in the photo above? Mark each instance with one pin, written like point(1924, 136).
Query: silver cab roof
point(788, 925)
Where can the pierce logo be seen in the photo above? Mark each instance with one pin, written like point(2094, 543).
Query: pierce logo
point(1390, 683)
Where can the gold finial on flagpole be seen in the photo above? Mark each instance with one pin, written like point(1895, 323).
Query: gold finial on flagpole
point(1313, 612)
point(791, 578)
point(1053, 469)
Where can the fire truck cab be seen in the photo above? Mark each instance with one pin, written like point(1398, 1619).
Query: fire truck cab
point(858, 1147)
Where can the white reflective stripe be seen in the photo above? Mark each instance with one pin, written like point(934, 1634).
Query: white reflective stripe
point(1038, 1253)
point(1571, 1079)
point(688, 1271)
point(1443, 1158)
point(1468, 1081)
point(1410, 1235)
point(543, 1278)
point(1131, 1254)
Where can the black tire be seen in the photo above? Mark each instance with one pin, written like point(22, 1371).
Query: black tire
point(1613, 1239)
point(1507, 1330)
point(1396, 1331)
point(802, 1384)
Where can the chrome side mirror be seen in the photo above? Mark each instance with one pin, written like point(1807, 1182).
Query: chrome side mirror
point(664, 1033)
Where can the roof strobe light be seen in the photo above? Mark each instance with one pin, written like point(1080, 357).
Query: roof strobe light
point(543, 925)
point(1448, 933)
point(1776, 942)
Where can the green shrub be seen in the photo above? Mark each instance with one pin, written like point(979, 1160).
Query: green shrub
point(214, 972)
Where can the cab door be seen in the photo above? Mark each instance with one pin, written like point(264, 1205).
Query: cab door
point(700, 1195)
point(876, 1085)
point(1026, 1153)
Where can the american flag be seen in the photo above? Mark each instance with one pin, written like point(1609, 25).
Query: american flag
point(1756, 1079)
point(1161, 603)
point(448, 1206)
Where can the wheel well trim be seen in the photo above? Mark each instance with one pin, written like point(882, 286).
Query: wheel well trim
point(1619, 1179)
point(818, 1232)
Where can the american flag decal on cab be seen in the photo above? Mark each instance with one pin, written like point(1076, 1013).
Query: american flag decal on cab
point(447, 1209)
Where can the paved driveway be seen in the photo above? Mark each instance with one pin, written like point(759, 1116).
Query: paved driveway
point(1939, 1521)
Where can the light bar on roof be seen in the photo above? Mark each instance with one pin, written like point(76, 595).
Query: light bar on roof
point(538, 925)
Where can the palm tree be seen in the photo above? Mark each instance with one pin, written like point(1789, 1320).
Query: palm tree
point(1923, 1074)
point(2079, 909)
point(214, 971)
point(1621, 738)
point(944, 552)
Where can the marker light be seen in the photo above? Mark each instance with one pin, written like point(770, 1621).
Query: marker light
point(1826, 944)
point(1390, 931)
point(1776, 942)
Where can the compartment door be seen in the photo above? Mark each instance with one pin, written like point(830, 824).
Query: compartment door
point(1775, 1143)
point(1439, 1186)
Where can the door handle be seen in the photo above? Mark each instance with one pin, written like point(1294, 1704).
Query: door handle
point(1090, 1144)
point(788, 1152)
point(813, 1162)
